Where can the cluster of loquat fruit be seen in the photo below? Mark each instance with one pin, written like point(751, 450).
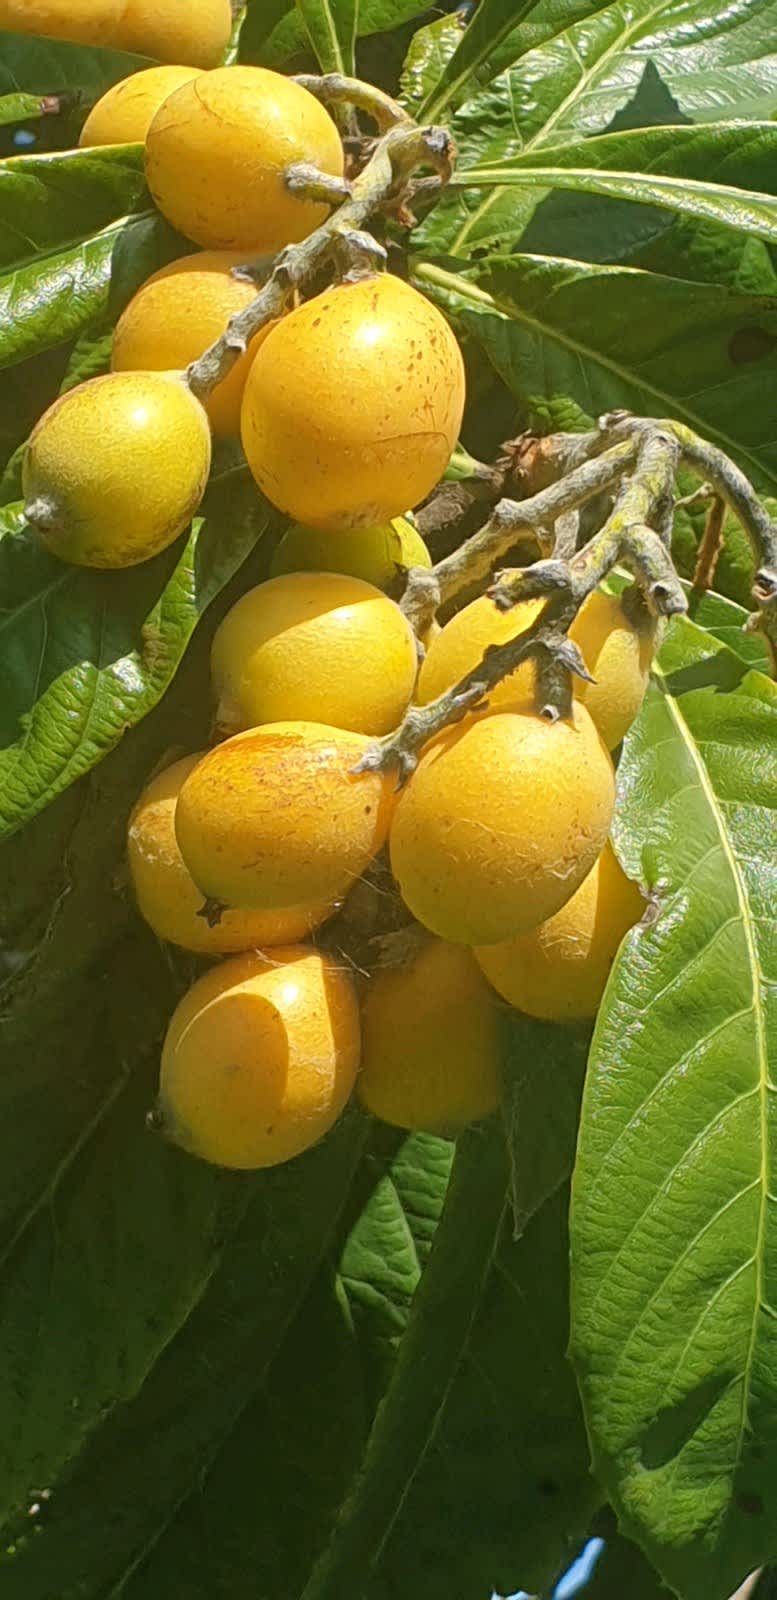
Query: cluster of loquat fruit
point(349, 407)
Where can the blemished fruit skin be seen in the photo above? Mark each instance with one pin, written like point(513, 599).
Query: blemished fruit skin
point(559, 970)
point(125, 112)
point(314, 647)
point(260, 1058)
point(116, 468)
point(177, 314)
point(353, 405)
point(502, 819)
point(276, 816)
point(195, 32)
point(82, 21)
point(430, 1042)
point(462, 643)
point(217, 151)
point(618, 656)
point(167, 896)
point(378, 555)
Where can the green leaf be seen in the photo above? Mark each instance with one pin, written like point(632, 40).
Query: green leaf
point(59, 296)
point(33, 65)
point(274, 32)
point(88, 653)
point(588, 71)
point(457, 1472)
point(429, 50)
point(202, 1272)
point(256, 1521)
point(387, 1248)
point(498, 35)
point(674, 1252)
point(23, 108)
point(331, 28)
point(725, 620)
point(48, 202)
point(561, 331)
point(710, 172)
point(715, 65)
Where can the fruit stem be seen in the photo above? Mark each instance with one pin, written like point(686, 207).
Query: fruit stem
point(401, 150)
point(510, 521)
point(334, 89)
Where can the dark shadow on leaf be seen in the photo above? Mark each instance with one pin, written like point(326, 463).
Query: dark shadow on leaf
point(666, 1435)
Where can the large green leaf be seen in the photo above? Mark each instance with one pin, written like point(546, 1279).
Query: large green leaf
point(429, 49)
point(87, 654)
point(300, 1441)
point(35, 65)
point(59, 295)
point(387, 1246)
point(149, 1266)
point(713, 68)
point(674, 1248)
point(49, 202)
point(331, 28)
point(274, 32)
point(712, 173)
point(561, 331)
point(457, 1473)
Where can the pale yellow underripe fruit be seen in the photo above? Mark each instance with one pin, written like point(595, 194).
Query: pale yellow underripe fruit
point(502, 819)
point(217, 151)
point(559, 970)
point(314, 647)
point(260, 1058)
point(462, 643)
point(430, 1042)
point(618, 656)
point(353, 405)
point(169, 899)
point(177, 314)
point(116, 468)
point(276, 816)
point(193, 31)
point(125, 112)
point(82, 21)
point(378, 555)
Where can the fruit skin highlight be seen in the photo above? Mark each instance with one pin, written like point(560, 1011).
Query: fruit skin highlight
point(167, 896)
point(260, 1058)
point(353, 405)
point(217, 151)
point(618, 656)
point(315, 647)
point(378, 555)
point(276, 817)
point(502, 819)
point(125, 112)
point(559, 970)
point(177, 314)
point(82, 21)
point(431, 1041)
point(195, 32)
point(462, 643)
point(116, 468)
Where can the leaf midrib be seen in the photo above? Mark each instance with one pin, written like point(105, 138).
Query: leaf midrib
point(670, 404)
point(764, 1084)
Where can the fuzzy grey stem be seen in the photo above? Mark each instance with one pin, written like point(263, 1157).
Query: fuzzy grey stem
point(42, 514)
point(544, 640)
point(335, 89)
point(395, 157)
point(733, 487)
point(514, 519)
point(310, 183)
